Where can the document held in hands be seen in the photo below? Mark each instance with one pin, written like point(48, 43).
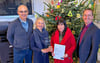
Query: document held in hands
point(59, 51)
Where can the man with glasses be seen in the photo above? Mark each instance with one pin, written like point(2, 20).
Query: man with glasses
point(18, 35)
point(89, 39)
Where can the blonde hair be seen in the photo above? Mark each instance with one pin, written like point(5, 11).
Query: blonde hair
point(39, 18)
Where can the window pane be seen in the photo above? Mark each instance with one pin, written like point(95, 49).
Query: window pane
point(9, 7)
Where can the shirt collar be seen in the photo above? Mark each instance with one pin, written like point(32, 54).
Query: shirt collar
point(88, 24)
point(22, 20)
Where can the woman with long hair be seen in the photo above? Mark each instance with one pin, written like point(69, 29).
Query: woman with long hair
point(63, 36)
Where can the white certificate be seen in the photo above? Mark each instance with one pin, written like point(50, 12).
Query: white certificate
point(59, 51)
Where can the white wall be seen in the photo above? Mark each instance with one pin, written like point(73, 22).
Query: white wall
point(39, 6)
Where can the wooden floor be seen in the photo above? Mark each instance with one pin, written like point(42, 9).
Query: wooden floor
point(98, 61)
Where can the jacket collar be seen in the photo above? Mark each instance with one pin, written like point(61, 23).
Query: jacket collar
point(87, 32)
point(64, 39)
point(18, 20)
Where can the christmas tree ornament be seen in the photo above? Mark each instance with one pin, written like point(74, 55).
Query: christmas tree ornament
point(90, 5)
point(61, 1)
point(59, 17)
point(51, 10)
point(36, 15)
point(78, 15)
point(58, 3)
point(70, 14)
point(58, 6)
point(52, 2)
point(62, 11)
point(73, 32)
point(56, 18)
point(47, 15)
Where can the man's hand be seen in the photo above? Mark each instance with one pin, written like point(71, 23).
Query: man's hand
point(50, 49)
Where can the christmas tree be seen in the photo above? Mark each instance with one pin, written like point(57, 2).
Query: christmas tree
point(69, 10)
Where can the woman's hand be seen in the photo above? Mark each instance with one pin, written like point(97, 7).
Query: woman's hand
point(53, 54)
point(44, 50)
point(66, 55)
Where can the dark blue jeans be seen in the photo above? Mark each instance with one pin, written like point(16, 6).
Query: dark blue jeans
point(20, 55)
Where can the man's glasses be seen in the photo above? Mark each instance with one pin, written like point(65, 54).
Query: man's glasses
point(23, 11)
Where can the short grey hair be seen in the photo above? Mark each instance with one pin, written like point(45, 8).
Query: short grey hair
point(22, 6)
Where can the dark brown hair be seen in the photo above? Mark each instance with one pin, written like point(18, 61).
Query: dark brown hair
point(65, 25)
point(89, 9)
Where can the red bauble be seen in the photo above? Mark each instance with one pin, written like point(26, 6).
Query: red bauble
point(56, 18)
point(51, 10)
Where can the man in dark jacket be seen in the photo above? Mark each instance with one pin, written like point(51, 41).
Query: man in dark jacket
point(89, 39)
point(18, 35)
